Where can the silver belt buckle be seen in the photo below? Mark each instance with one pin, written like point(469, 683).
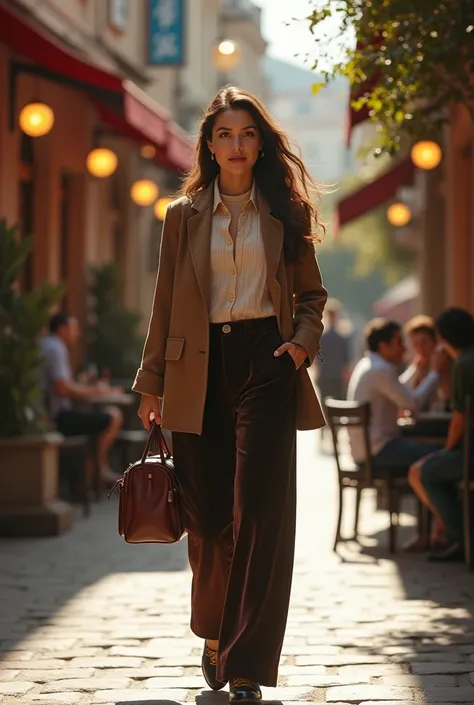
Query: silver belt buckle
point(226, 328)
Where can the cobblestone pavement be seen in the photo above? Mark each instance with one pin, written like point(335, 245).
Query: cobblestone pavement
point(86, 618)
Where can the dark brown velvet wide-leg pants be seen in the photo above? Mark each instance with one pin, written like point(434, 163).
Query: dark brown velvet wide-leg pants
point(239, 489)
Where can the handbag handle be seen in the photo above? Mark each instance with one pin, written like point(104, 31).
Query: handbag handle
point(156, 436)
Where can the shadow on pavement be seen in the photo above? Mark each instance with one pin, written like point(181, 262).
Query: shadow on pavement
point(430, 629)
point(40, 576)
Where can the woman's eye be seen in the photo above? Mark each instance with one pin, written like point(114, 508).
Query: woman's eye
point(250, 134)
point(224, 134)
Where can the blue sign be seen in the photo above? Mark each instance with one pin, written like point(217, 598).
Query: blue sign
point(166, 32)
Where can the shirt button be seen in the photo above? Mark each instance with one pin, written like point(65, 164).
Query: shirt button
point(233, 272)
point(231, 297)
point(229, 242)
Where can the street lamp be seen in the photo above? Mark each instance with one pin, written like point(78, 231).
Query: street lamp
point(426, 154)
point(398, 214)
point(144, 192)
point(226, 55)
point(36, 119)
point(101, 162)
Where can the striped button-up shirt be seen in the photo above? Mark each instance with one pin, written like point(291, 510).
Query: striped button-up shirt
point(239, 288)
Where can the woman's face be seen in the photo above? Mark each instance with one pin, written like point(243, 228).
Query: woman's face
point(236, 141)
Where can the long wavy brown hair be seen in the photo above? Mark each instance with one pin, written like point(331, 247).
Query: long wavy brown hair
point(280, 174)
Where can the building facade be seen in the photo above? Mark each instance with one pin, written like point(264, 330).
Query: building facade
point(316, 123)
point(92, 63)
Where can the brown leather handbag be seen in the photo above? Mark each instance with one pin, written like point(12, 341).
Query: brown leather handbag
point(149, 503)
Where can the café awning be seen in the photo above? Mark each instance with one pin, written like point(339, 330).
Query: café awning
point(133, 111)
point(375, 193)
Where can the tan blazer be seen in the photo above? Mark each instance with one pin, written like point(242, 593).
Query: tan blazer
point(176, 354)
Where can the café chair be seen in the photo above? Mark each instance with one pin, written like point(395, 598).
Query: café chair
point(342, 416)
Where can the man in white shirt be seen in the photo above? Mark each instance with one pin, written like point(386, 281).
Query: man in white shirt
point(375, 379)
point(61, 391)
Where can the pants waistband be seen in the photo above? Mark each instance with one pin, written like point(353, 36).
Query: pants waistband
point(243, 327)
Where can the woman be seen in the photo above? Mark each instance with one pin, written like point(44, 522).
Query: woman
point(237, 311)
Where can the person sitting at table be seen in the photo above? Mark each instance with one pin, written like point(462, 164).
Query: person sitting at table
point(434, 478)
point(61, 391)
point(422, 334)
point(375, 379)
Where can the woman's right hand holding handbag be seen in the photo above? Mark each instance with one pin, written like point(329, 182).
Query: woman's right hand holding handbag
point(150, 410)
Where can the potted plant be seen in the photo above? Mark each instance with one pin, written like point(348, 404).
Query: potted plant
point(28, 446)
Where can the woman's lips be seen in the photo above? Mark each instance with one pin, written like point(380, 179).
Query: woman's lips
point(237, 159)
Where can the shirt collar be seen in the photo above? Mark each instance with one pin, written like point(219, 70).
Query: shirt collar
point(218, 198)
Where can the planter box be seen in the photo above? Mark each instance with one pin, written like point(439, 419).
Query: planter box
point(29, 487)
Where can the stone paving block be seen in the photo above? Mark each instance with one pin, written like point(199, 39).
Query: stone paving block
point(302, 670)
point(86, 685)
point(105, 662)
point(360, 693)
point(33, 665)
point(57, 674)
point(143, 672)
point(15, 655)
point(339, 660)
point(16, 687)
point(450, 695)
point(371, 670)
point(53, 698)
point(325, 681)
point(438, 668)
point(8, 675)
point(73, 653)
point(122, 697)
point(288, 694)
point(439, 657)
point(184, 661)
point(49, 645)
point(186, 682)
point(148, 652)
point(412, 681)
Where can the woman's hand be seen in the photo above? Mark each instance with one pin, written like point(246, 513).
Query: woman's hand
point(297, 352)
point(149, 410)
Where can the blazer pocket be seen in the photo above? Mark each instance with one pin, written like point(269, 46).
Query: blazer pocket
point(174, 348)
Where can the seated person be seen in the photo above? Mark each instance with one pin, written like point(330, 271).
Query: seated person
point(434, 478)
point(375, 380)
point(422, 334)
point(62, 390)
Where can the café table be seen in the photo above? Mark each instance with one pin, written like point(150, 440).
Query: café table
point(429, 426)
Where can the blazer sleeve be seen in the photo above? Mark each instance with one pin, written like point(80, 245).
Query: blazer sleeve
point(310, 297)
point(150, 376)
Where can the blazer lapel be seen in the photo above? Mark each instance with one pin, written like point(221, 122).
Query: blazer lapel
point(272, 235)
point(199, 228)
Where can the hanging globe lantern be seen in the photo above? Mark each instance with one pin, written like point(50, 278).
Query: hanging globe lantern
point(160, 207)
point(398, 214)
point(144, 192)
point(36, 119)
point(101, 162)
point(226, 55)
point(148, 151)
point(426, 154)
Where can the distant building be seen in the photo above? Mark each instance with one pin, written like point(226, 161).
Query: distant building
point(317, 123)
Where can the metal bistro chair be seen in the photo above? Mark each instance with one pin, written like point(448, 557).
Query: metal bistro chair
point(467, 483)
point(351, 415)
